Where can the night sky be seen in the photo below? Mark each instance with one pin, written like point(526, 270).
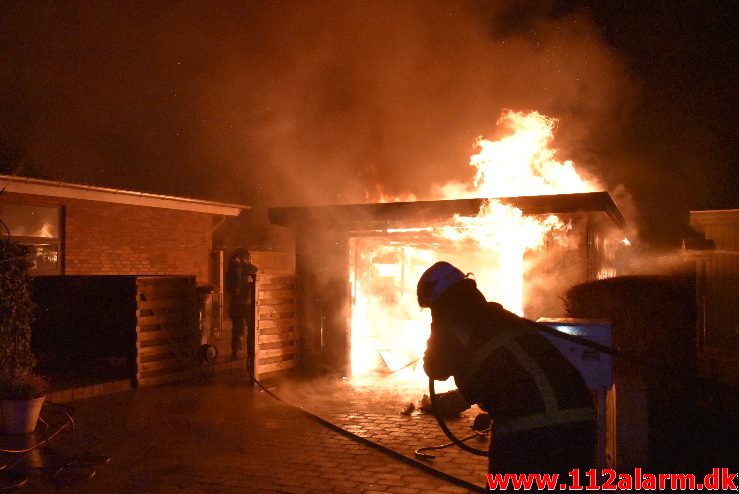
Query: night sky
point(274, 103)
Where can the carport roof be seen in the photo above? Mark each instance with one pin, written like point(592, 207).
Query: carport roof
point(390, 214)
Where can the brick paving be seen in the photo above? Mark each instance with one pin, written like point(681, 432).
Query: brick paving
point(372, 408)
point(222, 436)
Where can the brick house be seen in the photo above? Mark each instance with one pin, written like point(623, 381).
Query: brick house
point(101, 257)
point(85, 230)
point(121, 242)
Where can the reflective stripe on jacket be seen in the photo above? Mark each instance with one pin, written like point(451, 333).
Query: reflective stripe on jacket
point(518, 351)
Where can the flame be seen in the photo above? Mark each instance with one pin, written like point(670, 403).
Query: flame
point(388, 330)
point(523, 163)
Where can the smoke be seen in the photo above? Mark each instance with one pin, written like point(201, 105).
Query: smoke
point(297, 103)
point(292, 103)
point(389, 98)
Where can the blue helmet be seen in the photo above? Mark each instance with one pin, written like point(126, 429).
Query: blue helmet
point(435, 281)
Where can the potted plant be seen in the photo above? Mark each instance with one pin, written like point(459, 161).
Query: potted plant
point(22, 391)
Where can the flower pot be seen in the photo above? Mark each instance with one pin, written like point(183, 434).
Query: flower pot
point(20, 416)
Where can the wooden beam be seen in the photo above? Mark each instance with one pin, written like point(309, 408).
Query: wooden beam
point(405, 214)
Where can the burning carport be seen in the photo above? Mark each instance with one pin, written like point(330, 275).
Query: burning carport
point(357, 265)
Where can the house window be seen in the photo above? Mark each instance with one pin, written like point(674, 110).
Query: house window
point(39, 228)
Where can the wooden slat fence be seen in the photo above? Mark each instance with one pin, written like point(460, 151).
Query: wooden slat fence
point(276, 349)
point(167, 331)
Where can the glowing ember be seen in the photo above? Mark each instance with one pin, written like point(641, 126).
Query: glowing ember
point(389, 331)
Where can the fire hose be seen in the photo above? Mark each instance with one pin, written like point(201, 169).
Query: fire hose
point(419, 453)
point(454, 439)
point(531, 325)
point(479, 452)
point(365, 441)
point(64, 473)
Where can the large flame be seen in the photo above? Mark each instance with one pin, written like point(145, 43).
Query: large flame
point(388, 329)
point(523, 163)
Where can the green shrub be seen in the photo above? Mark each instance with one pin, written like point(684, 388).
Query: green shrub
point(16, 312)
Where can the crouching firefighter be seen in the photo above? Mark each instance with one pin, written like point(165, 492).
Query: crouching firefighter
point(543, 414)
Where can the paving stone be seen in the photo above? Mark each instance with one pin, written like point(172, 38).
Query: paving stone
point(402, 490)
point(372, 410)
point(393, 476)
point(226, 437)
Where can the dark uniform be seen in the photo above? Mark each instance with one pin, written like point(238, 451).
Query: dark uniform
point(543, 415)
point(240, 280)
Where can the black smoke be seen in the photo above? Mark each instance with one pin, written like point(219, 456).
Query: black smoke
point(284, 103)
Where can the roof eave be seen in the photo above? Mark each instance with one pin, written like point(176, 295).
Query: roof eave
point(33, 186)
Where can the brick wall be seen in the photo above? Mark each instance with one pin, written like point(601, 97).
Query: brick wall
point(120, 239)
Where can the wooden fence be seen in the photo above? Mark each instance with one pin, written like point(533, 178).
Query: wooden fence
point(276, 349)
point(167, 330)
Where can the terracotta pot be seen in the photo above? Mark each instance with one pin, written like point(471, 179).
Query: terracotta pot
point(20, 416)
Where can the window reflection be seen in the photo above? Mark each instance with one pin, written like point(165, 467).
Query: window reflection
point(37, 227)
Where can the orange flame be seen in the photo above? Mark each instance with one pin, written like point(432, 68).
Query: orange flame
point(523, 163)
point(388, 330)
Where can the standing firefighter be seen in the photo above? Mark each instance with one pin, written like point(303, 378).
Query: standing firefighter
point(240, 280)
point(543, 416)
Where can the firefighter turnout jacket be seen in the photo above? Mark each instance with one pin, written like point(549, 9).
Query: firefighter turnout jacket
point(499, 362)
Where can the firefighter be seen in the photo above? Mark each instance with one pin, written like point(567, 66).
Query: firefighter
point(240, 279)
point(543, 415)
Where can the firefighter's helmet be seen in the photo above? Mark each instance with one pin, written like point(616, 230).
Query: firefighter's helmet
point(242, 252)
point(435, 281)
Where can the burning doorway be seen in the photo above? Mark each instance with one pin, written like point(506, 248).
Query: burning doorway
point(357, 266)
